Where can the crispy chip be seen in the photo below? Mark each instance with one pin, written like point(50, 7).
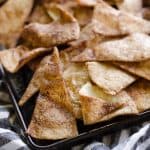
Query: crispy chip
point(48, 79)
point(140, 92)
point(141, 69)
point(15, 58)
point(13, 14)
point(113, 22)
point(135, 47)
point(75, 75)
point(108, 77)
point(40, 15)
point(130, 6)
point(51, 121)
point(98, 106)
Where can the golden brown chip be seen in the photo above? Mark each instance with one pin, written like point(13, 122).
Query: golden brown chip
point(75, 75)
point(108, 77)
point(40, 15)
point(134, 47)
point(63, 29)
point(98, 106)
point(51, 121)
point(15, 58)
point(113, 22)
point(130, 6)
point(86, 55)
point(140, 92)
point(13, 14)
point(146, 13)
point(48, 79)
point(141, 69)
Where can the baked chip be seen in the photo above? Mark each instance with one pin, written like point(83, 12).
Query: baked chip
point(63, 29)
point(130, 6)
point(98, 106)
point(13, 14)
point(112, 22)
point(15, 58)
point(50, 121)
point(75, 75)
point(141, 69)
point(140, 92)
point(40, 15)
point(134, 47)
point(49, 81)
point(108, 77)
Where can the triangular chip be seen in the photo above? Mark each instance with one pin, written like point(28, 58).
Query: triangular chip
point(40, 15)
point(114, 22)
point(75, 75)
point(15, 58)
point(140, 92)
point(13, 14)
point(108, 77)
point(98, 106)
point(86, 55)
point(130, 6)
point(134, 47)
point(64, 29)
point(141, 69)
point(48, 79)
point(50, 121)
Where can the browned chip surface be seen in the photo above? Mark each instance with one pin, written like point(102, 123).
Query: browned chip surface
point(51, 121)
point(134, 47)
point(13, 14)
point(98, 106)
point(15, 58)
point(140, 92)
point(108, 77)
point(141, 69)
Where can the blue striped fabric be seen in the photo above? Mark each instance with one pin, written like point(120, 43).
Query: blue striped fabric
point(134, 138)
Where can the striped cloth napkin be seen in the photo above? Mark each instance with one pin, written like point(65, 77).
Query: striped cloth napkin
point(11, 136)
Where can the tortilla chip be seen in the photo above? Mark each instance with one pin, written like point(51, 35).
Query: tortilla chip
point(15, 58)
point(140, 92)
point(87, 2)
point(141, 69)
point(108, 77)
point(48, 79)
point(134, 47)
point(51, 121)
point(130, 6)
point(40, 15)
point(86, 55)
point(112, 22)
point(98, 106)
point(75, 75)
point(146, 13)
point(13, 14)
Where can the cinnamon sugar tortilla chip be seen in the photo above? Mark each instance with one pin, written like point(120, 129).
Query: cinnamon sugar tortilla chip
point(130, 6)
point(48, 79)
point(51, 121)
point(141, 69)
point(112, 22)
point(63, 29)
point(75, 75)
point(40, 15)
point(108, 77)
point(15, 58)
point(140, 92)
point(134, 47)
point(98, 106)
point(13, 14)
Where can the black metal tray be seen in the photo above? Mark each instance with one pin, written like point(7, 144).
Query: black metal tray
point(85, 132)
